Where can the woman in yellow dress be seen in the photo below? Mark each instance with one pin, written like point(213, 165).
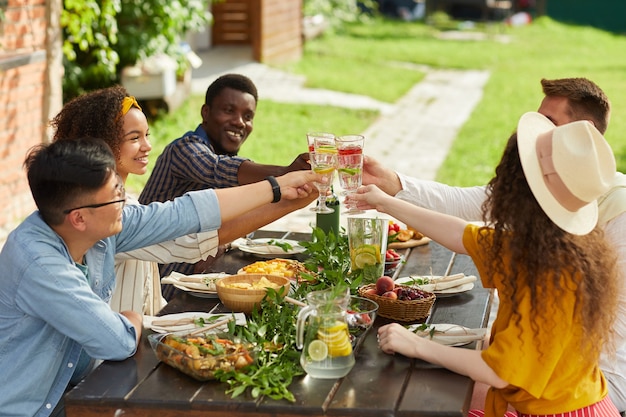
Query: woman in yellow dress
point(555, 274)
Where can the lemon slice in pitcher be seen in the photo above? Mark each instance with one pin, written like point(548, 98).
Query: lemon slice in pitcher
point(336, 338)
point(364, 259)
point(343, 348)
point(317, 350)
point(333, 333)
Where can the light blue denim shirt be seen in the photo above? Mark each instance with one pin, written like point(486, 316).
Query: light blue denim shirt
point(50, 312)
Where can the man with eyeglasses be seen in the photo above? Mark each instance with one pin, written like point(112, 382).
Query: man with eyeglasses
point(58, 265)
point(94, 206)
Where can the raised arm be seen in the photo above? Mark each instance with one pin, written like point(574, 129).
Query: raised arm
point(445, 229)
point(260, 217)
point(236, 201)
point(250, 171)
point(463, 202)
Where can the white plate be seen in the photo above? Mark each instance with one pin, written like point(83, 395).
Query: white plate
point(203, 294)
point(157, 324)
point(194, 284)
point(455, 290)
point(451, 334)
point(441, 293)
point(265, 247)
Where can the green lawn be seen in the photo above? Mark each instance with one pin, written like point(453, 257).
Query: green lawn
point(382, 59)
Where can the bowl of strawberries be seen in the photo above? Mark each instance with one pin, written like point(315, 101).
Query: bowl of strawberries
point(392, 261)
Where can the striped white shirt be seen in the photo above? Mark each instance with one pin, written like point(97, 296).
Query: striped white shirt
point(138, 283)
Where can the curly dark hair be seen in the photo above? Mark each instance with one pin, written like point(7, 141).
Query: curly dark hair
point(236, 82)
point(94, 114)
point(586, 100)
point(544, 257)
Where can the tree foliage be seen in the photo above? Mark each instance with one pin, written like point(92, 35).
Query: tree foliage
point(101, 37)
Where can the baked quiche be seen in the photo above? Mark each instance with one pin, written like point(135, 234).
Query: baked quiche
point(288, 268)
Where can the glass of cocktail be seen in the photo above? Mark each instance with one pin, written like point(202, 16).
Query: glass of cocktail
point(323, 163)
point(350, 165)
point(324, 144)
point(323, 137)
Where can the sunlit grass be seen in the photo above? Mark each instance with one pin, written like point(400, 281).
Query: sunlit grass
point(383, 60)
point(516, 57)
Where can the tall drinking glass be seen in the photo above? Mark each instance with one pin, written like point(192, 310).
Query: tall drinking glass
point(367, 240)
point(323, 163)
point(324, 144)
point(322, 136)
point(350, 165)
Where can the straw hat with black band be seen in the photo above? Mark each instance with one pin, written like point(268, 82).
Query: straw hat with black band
point(567, 168)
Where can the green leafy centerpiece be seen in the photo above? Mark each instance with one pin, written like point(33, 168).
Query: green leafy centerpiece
point(272, 328)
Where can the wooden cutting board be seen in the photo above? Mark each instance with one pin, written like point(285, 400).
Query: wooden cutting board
point(411, 243)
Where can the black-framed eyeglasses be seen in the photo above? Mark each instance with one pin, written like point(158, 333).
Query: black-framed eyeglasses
point(122, 193)
point(123, 201)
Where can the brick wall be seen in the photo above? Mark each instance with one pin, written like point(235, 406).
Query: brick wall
point(26, 97)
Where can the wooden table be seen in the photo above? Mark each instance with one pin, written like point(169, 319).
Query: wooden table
point(378, 385)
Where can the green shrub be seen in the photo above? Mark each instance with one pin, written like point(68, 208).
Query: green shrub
point(101, 37)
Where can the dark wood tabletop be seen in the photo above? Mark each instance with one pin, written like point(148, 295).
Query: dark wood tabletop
point(378, 384)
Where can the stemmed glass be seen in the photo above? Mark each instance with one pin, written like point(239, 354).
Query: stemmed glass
point(323, 163)
point(324, 144)
point(322, 137)
point(350, 165)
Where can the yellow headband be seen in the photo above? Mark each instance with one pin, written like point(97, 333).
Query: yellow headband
point(127, 103)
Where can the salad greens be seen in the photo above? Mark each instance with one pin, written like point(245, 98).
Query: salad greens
point(272, 327)
point(329, 255)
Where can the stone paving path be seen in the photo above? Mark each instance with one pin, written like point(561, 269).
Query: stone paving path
point(412, 136)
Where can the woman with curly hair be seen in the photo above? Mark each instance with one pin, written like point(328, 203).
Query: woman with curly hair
point(555, 274)
point(113, 115)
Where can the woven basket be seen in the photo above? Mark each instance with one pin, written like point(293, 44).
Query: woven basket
point(246, 300)
point(400, 310)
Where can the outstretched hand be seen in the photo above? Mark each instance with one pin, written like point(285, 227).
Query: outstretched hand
point(376, 173)
point(298, 184)
point(368, 197)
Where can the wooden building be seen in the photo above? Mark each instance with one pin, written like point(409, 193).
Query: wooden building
point(272, 27)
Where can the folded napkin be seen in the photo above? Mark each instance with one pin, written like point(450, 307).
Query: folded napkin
point(437, 283)
point(195, 282)
point(444, 285)
point(266, 246)
point(263, 249)
point(450, 334)
point(180, 322)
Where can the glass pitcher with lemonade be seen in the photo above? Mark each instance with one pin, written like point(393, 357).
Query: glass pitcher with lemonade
point(323, 335)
